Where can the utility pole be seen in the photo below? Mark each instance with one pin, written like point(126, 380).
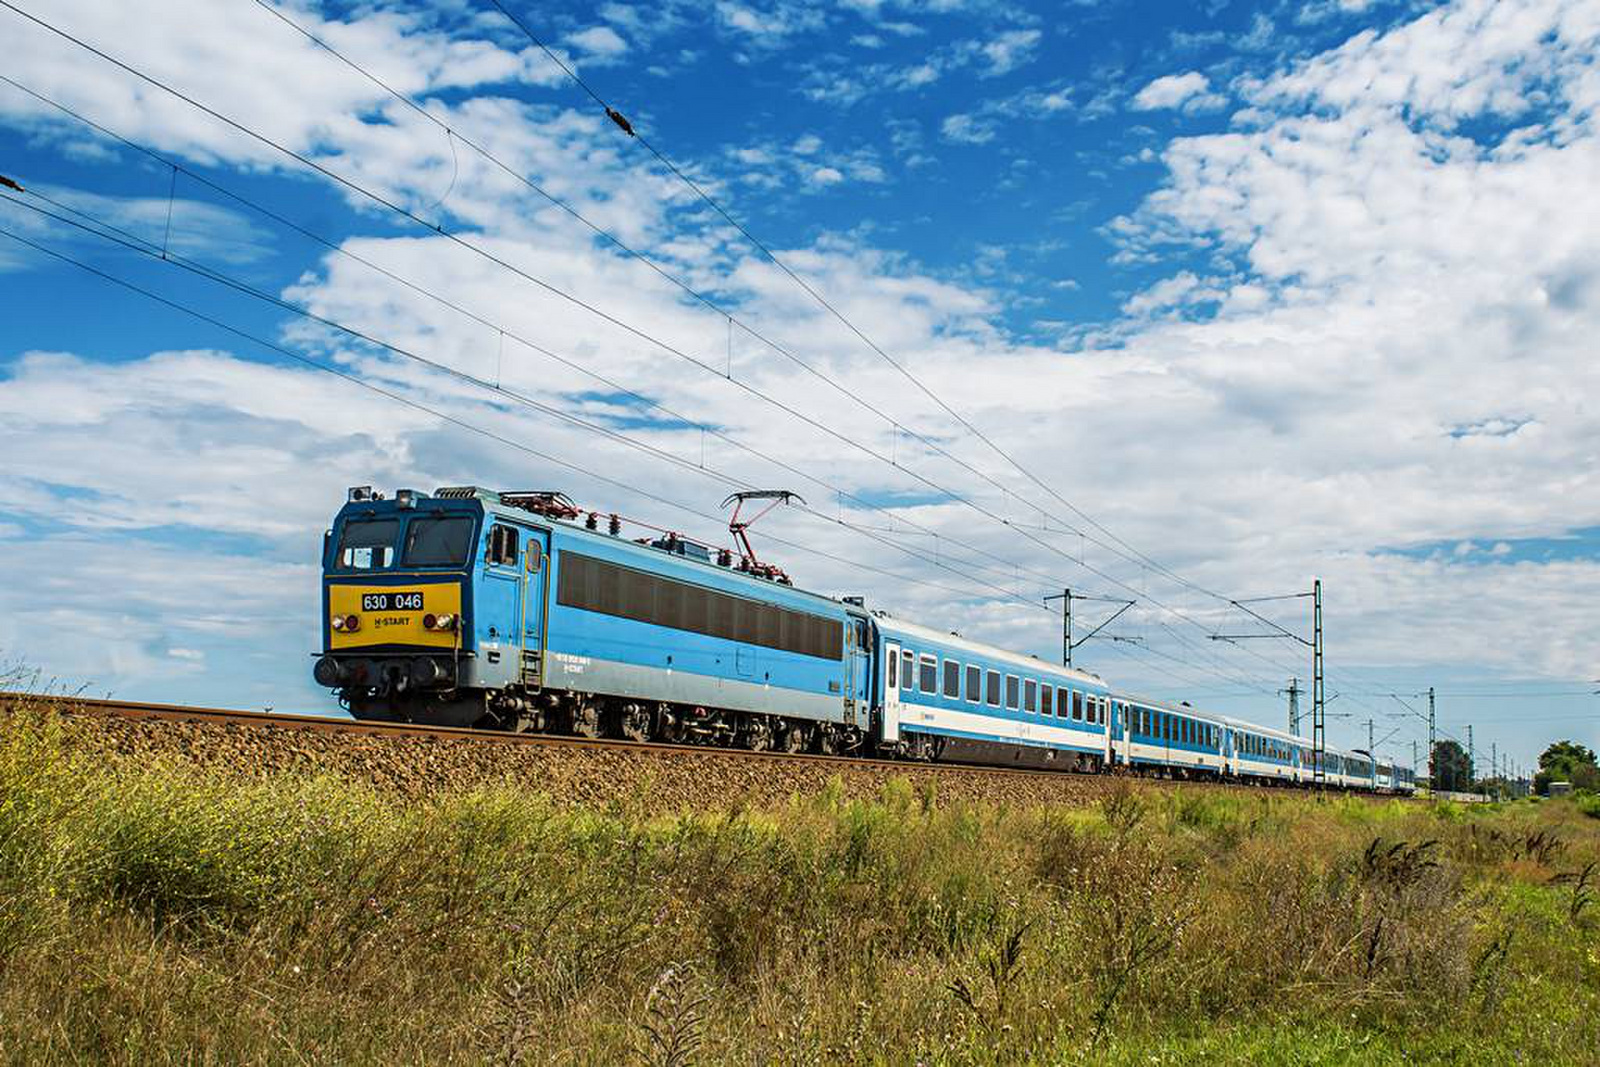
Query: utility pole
point(1494, 765)
point(1067, 596)
point(1066, 626)
point(1433, 746)
point(1319, 733)
point(1319, 725)
point(1472, 761)
point(1293, 692)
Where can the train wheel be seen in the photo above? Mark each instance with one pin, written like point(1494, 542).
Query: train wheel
point(634, 723)
point(788, 737)
point(754, 733)
point(586, 721)
point(825, 740)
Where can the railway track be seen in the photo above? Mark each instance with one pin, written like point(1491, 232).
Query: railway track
point(324, 724)
point(183, 713)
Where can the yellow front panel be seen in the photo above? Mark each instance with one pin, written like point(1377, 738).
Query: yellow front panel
point(395, 626)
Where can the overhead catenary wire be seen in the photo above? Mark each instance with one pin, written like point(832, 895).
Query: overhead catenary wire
point(215, 275)
point(633, 133)
point(1136, 555)
point(132, 243)
point(851, 395)
point(434, 227)
point(454, 420)
point(1000, 564)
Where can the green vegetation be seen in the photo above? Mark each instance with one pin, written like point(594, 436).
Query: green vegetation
point(1570, 762)
point(149, 912)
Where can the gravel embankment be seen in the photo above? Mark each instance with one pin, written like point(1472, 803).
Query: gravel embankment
point(569, 774)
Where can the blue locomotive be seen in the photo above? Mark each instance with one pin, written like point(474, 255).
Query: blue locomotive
point(520, 611)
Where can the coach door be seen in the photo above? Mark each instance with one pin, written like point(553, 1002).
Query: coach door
point(891, 692)
point(512, 601)
point(535, 585)
point(1119, 727)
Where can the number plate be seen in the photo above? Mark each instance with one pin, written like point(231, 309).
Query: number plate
point(406, 601)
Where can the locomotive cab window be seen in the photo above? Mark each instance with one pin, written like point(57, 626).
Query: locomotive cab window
point(367, 545)
point(443, 542)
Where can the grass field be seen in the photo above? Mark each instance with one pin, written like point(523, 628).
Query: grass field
point(152, 912)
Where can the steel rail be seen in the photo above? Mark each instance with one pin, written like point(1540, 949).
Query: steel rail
point(182, 713)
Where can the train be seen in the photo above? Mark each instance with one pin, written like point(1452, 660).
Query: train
point(520, 611)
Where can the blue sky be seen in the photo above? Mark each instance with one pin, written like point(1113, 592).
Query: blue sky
point(1251, 293)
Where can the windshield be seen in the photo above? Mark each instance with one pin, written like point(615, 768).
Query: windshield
point(438, 542)
point(368, 545)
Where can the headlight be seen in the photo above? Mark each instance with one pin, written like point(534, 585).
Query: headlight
point(352, 623)
point(438, 622)
point(338, 622)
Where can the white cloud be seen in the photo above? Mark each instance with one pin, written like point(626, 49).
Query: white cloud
point(599, 42)
point(967, 129)
point(769, 26)
point(1010, 50)
point(1190, 91)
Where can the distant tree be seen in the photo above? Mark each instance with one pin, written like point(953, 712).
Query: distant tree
point(1567, 761)
point(1451, 767)
point(1563, 755)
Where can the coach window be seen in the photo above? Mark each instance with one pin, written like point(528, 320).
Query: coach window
point(1013, 691)
point(367, 545)
point(1077, 706)
point(928, 679)
point(975, 684)
point(907, 664)
point(1030, 696)
point(952, 679)
point(1045, 705)
point(992, 689)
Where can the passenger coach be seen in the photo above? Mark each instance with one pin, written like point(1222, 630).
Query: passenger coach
point(942, 696)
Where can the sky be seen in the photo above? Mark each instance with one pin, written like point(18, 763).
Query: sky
point(1178, 304)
